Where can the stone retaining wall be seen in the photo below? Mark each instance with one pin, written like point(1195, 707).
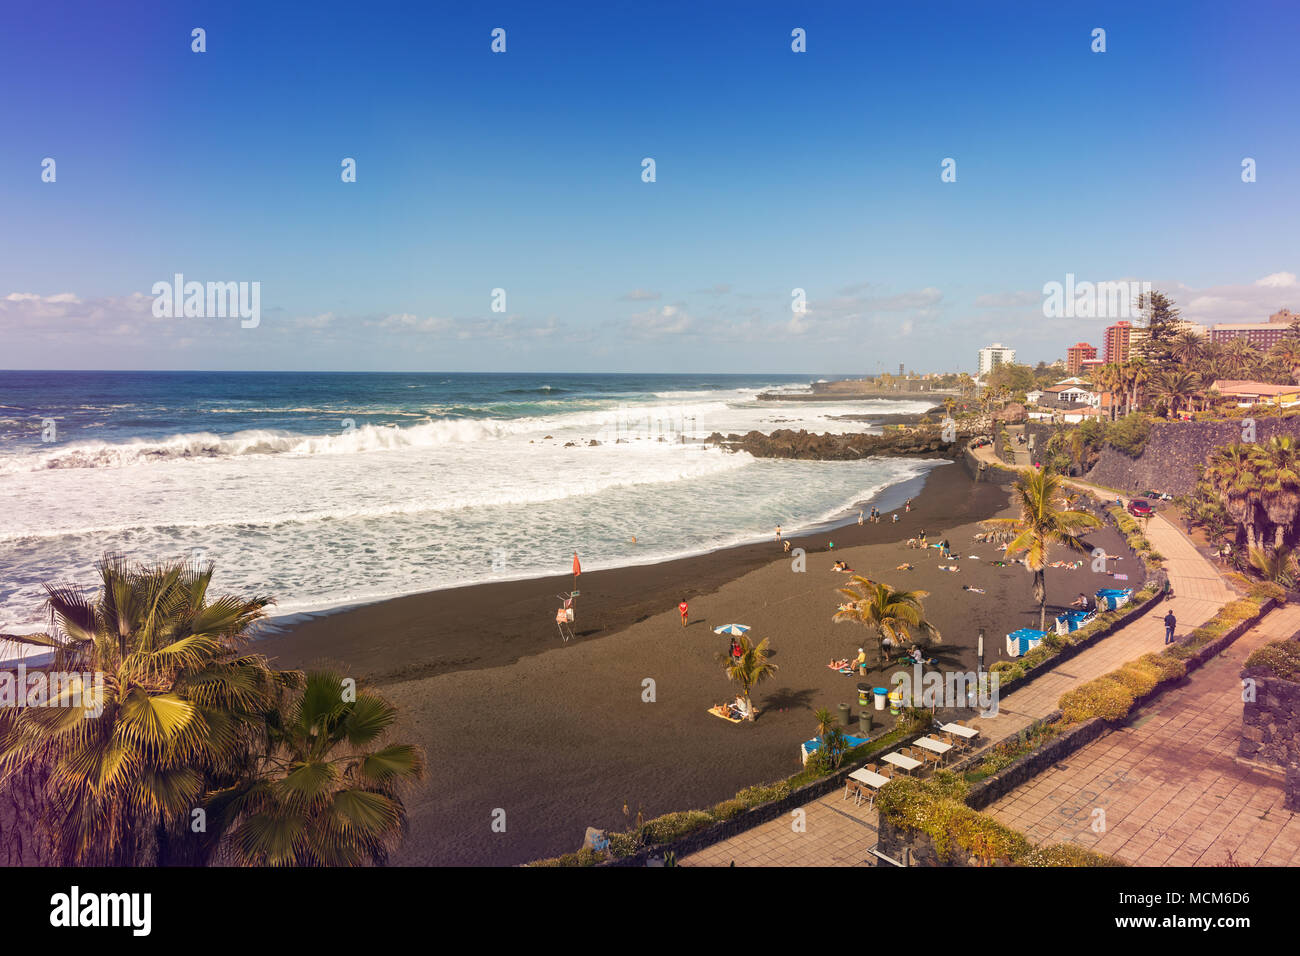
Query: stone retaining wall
point(1270, 728)
point(1174, 449)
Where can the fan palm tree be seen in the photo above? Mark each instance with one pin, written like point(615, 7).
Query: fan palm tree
point(752, 667)
point(1046, 518)
point(326, 790)
point(898, 615)
point(1187, 348)
point(180, 709)
point(1279, 472)
point(1176, 385)
point(1233, 473)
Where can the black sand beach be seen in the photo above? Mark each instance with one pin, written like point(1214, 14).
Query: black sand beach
point(559, 736)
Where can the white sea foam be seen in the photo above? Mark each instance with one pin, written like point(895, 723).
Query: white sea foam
point(328, 519)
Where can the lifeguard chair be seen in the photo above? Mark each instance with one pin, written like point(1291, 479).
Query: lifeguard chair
point(564, 616)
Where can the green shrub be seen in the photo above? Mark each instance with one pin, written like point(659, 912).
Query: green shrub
point(622, 844)
point(1067, 854)
point(727, 809)
point(1264, 590)
point(672, 826)
point(762, 793)
point(1138, 678)
point(1237, 611)
point(1035, 658)
point(1168, 667)
point(1282, 658)
point(1101, 697)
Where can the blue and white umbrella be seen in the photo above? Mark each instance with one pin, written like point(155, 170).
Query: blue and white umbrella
point(735, 630)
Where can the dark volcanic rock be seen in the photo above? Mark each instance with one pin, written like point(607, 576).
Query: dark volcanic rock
point(785, 443)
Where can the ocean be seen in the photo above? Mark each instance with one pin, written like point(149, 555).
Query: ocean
point(326, 490)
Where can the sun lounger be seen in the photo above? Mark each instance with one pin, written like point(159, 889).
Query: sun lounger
point(1023, 641)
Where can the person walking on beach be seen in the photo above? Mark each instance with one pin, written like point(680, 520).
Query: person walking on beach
point(778, 532)
point(682, 607)
point(907, 505)
point(1170, 623)
point(859, 519)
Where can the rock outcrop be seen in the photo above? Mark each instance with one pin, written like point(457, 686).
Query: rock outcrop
point(785, 443)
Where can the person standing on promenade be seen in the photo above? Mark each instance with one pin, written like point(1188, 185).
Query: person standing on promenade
point(682, 607)
point(1170, 623)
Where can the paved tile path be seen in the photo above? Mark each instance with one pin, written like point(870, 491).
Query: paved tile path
point(1198, 593)
point(1168, 784)
point(836, 833)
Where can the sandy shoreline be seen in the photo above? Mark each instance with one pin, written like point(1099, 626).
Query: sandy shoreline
point(559, 737)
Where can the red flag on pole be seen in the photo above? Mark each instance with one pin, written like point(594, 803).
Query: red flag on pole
point(577, 568)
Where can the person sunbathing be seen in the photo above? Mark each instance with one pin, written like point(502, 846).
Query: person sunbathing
point(1081, 602)
point(972, 588)
point(905, 567)
point(836, 665)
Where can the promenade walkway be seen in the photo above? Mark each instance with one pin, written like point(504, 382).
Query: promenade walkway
point(836, 833)
point(1199, 592)
point(1166, 790)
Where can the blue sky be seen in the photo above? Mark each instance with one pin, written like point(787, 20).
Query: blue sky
point(775, 170)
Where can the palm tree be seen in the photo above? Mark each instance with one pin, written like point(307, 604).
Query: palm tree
point(1139, 374)
point(1287, 353)
point(831, 736)
point(1278, 565)
point(179, 713)
point(898, 615)
point(326, 791)
point(1233, 473)
point(1187, 348)
point(1174, 385)
point(751, 668)
point(1108, 378)
point(1045, 519)
point(1239, 356)
point(1279, 470)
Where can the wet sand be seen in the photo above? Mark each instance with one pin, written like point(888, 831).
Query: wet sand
point(561, 737)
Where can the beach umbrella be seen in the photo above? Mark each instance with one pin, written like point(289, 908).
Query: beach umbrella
point(735, 630)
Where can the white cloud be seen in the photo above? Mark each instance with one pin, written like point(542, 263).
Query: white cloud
point(1278, 280)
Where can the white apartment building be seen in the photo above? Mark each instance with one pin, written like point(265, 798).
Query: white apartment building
point(993, 356)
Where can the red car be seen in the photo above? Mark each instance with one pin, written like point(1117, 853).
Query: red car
point(1140, 509)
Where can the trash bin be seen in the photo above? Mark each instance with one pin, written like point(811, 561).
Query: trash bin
point(864, 723)
point(864, 690)
point(896, 702)
point(880, 693)
point(844, 716)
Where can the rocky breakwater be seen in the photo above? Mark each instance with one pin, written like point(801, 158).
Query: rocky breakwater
point(785, 443)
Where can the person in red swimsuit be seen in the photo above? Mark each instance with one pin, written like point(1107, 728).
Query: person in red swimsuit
point(682, 607)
